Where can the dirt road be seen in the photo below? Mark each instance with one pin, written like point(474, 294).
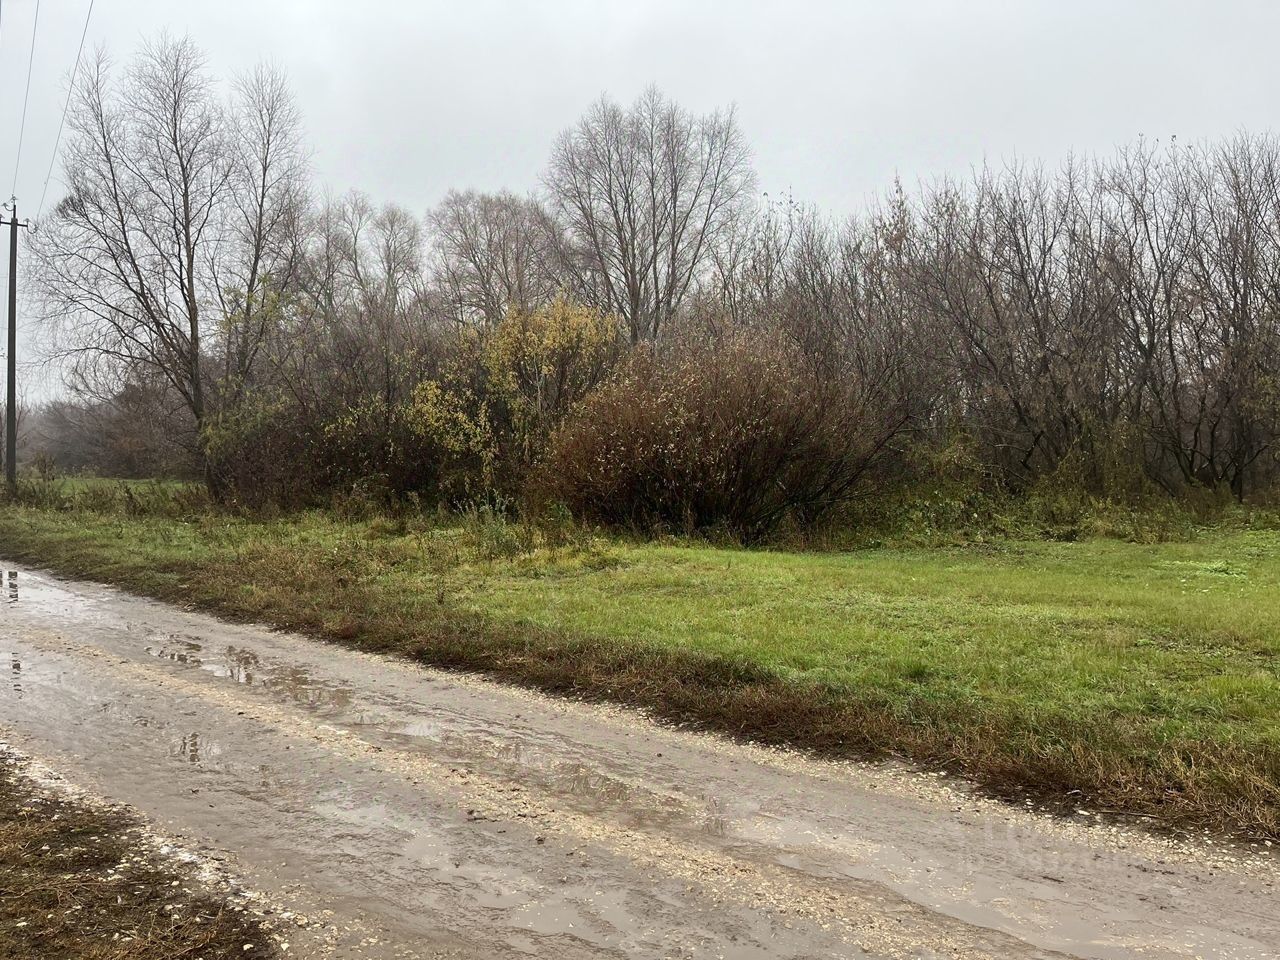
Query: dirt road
point(409, 813)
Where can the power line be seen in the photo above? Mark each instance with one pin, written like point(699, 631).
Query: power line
point(22, 128)
point(67, 103)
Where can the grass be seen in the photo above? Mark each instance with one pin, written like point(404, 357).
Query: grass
point(74, 885)
point(1143, 678)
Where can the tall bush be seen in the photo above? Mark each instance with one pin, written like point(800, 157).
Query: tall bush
point(740, 434)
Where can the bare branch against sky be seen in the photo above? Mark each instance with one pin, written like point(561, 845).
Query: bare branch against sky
point(407, 100)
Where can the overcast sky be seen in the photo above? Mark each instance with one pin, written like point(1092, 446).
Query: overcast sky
point(406, 99)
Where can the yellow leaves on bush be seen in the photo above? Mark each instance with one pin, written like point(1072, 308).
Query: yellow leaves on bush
point(545, 358)
point(474, 425)
point(443, 417)
point(539, 363)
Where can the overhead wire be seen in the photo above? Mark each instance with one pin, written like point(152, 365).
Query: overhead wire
point(75, 69)
point(26, 97)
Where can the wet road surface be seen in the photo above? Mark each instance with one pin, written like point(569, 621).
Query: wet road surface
point(423, 814)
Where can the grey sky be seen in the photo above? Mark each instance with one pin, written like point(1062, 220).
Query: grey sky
point(406, 99)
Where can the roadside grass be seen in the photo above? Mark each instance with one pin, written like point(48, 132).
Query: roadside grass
point(74, 885)
point(1140, 678)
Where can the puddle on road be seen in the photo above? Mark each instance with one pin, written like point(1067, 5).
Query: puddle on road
point(27, 674)
point(300, 687)
point(581, 785)
point(570, 778)
point(580, 780)
point(41, 595)
point(243, 666)
point(178, 650)
point(196, 748)
point(511, 891)
point(187, 748)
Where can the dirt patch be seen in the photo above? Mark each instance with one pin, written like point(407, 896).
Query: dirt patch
point(84, 881)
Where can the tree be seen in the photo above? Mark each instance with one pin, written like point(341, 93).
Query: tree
point(492, 252)
point(160, 257)
point(266, 231)
point(646, 195)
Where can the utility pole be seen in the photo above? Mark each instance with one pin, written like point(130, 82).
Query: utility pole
point(11, 382)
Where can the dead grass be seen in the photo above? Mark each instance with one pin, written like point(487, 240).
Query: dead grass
point(75, 885)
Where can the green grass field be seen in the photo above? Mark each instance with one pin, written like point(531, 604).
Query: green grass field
point(1146, 677)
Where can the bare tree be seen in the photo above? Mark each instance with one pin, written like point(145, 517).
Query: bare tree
point(259, 265)
point(646, 194)
point(361, 324)
point(492, 252)
point(751, 267)
point(158, 258)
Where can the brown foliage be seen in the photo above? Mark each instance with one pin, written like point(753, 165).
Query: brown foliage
point(740, 434)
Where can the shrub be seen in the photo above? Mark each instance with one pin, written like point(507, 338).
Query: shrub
point(260, 451)
point(741, 434)
point(462, 426)
point(539, 364)
point(377, 452)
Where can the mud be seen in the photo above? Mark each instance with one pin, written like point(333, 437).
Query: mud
point(415, 813)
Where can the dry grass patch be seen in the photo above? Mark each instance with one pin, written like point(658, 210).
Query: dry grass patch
point(77, 884)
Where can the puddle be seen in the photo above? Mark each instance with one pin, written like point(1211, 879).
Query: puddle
point(425, 729)
point(572, 779)
point(240, 665)
point(580, 785)
point(300, 687)
point(194, 748)
point(235, 664)
point(580, 780)
point(39, 595)
point(188, 748)
point(15, 672)
point(178, 650)
point(243, 666)
point(548, 916)
point(510, 893)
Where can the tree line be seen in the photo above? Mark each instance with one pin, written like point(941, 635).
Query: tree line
point(646, 339)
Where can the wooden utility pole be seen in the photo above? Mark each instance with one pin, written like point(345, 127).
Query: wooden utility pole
point(11, 381)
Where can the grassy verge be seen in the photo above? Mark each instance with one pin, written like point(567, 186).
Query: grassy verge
point(1145, 678)
point(75, 885)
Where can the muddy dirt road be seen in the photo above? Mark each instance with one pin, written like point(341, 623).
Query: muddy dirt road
point(410, 813)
